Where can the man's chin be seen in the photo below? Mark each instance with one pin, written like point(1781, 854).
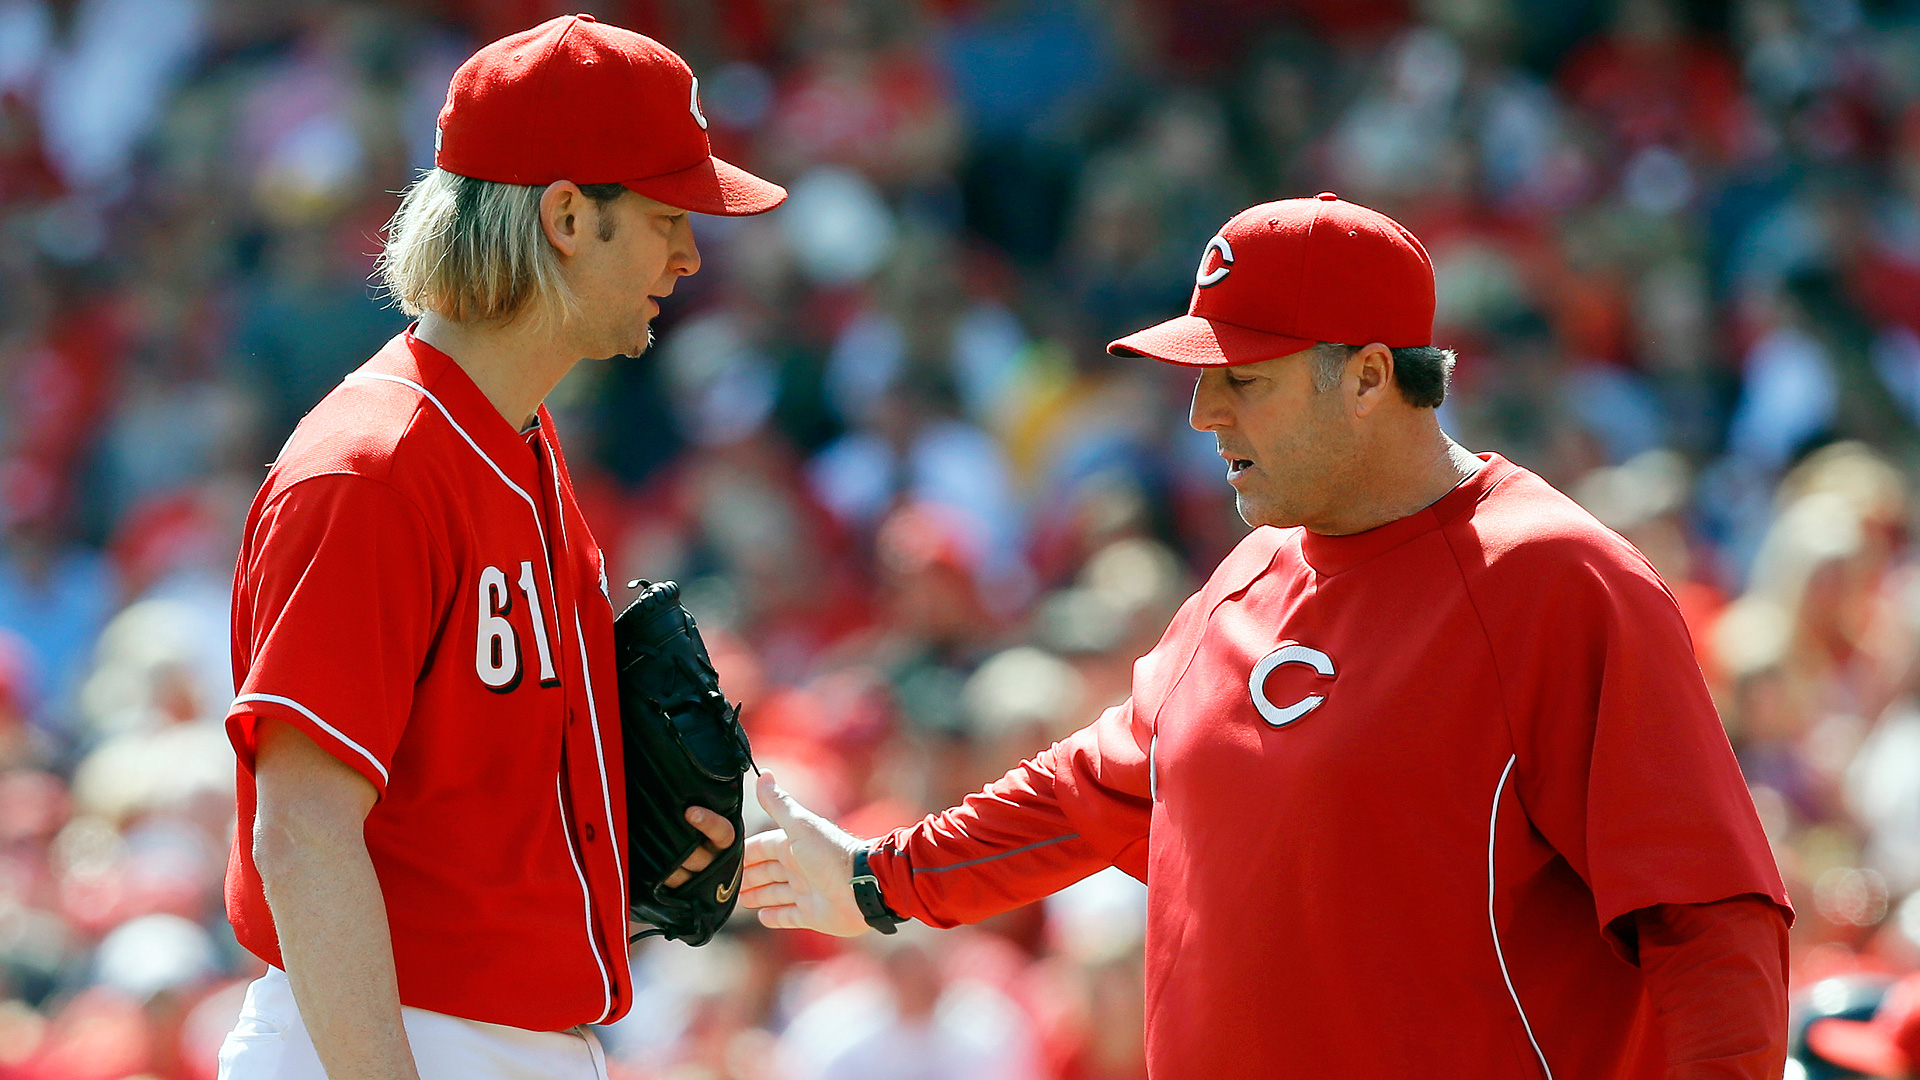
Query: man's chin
point(1248, 509)
point(1257, 513)
point(632, 350)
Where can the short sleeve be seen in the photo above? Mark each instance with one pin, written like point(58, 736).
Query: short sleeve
point(1622, 763)
point(334, 614)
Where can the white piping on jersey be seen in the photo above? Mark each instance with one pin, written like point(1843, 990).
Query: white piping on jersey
point(1153, 770)
point(462, 432)
point(600, 756)
point(532, 507)
point(586, 677)
point(566, 828)
point(1492, 827)
point(593, 713)
point(324, 726)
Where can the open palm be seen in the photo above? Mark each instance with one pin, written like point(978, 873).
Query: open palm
point(798, 876)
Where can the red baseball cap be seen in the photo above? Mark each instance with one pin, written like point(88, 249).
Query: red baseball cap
point(1285, 276)
point(576, 99)
point(1887, 1045)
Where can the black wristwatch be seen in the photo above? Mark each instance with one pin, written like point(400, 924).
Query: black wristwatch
point(866, 893)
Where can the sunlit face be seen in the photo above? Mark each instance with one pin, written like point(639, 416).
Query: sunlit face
point(633, 251)
point(1289, 449)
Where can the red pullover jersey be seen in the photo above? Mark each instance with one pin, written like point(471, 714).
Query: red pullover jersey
point(418, 593)
point(1389, 793)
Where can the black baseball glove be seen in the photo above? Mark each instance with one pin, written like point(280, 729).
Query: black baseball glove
point(684, 747)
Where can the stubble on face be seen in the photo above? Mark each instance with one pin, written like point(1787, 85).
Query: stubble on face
point(1282, 489)
point(1301, 457)
point(632, 251)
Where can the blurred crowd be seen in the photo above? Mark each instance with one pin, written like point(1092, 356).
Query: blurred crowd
point(925, 522)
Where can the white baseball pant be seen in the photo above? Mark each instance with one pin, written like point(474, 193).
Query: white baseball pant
point(270, 1043)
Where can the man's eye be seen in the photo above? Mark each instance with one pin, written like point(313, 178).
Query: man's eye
point(1236, 381)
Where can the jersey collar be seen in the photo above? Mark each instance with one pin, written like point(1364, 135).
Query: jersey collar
point(1330, 555)
point(468, 406)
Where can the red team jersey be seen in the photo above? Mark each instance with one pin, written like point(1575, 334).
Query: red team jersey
point(418, 593)
point(1390, 793)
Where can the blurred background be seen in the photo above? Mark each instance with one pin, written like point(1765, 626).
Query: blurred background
point(926, 522)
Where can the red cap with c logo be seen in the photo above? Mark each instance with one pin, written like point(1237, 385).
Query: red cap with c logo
point(1284, 276)
point(576, 99)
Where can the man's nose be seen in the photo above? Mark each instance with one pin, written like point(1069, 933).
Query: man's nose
point(686, 254)
point(1208, 411)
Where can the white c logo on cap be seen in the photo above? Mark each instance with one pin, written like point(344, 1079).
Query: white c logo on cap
point(1206, 278)
point(1289, 652)
point(693, 104)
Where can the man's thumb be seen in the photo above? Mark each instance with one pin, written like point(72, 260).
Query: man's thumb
point(777, 803)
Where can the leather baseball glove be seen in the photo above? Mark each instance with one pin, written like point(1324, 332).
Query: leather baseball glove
point(684, 747)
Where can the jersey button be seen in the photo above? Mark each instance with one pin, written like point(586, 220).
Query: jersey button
point(591, 835)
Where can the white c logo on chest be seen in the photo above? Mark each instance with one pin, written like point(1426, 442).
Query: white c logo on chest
point(1289, 652)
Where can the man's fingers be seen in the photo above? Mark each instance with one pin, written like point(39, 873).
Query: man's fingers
point(777, 803)
point(698, 861)
point(776, 894)
point(782, 918)
point(767, 847)
point(762, 873)
point(701, 858)
point(715, 827)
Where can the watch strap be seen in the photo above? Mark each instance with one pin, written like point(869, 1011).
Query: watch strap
point(866, 893)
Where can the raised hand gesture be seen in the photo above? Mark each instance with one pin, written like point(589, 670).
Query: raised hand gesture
point(799, 876)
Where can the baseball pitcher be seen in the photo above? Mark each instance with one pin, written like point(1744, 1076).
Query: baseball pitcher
point(433, 853)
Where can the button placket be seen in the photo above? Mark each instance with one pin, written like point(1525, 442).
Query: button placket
point(578, 774)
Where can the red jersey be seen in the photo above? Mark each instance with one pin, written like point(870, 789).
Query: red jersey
point(418, 593)
point(1390, 793)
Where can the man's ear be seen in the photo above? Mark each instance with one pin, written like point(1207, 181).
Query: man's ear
point(1372, 368)
point(563, 215)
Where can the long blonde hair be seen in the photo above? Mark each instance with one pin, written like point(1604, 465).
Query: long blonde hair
point(474, 251)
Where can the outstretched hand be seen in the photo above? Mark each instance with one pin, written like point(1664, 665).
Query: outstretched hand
point(799, 875)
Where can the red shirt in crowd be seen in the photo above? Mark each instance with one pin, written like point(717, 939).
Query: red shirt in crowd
point(1408, 802)
point(418, 593)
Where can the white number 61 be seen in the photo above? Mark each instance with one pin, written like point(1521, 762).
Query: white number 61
point(496, 654)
